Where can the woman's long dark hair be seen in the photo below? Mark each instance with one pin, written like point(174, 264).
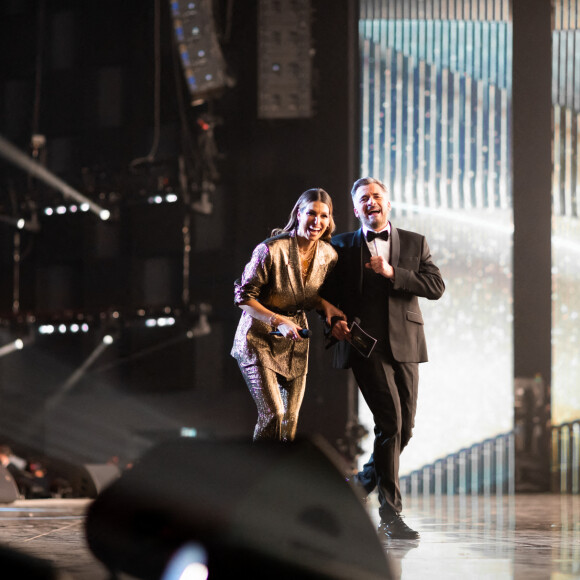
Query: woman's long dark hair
point(310, 195)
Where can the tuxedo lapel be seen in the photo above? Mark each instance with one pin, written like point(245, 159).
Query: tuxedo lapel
point(358, 246)
point(395, 246)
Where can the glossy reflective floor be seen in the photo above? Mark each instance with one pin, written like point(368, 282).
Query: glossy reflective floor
point(524, 537)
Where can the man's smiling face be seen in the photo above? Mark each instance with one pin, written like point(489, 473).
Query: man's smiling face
point(371, 206)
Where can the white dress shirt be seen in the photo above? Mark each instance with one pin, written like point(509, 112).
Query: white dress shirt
point(380, 247)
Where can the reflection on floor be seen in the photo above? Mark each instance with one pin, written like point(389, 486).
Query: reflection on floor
point(525, 536)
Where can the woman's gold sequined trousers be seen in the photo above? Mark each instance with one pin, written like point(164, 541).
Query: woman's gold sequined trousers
point(278, 401)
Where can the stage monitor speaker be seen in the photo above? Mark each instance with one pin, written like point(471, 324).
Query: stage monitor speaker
point(258, 510)
point(8, 488)
point(85, 480)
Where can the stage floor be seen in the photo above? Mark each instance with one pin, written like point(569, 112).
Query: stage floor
point(524, 537)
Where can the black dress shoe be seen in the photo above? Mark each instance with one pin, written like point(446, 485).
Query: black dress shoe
point(396, 529)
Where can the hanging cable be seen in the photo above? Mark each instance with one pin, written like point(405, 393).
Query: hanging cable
point(39, 63)
point(150, 157)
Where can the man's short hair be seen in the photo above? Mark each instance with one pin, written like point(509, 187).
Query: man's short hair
point(367, 181)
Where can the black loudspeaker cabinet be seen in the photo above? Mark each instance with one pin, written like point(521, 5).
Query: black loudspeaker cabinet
point(83, 480)
point(260, 510)
point(8, 488)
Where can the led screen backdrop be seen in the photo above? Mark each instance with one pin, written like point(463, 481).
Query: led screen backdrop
point(566, 225)
point(435, 82)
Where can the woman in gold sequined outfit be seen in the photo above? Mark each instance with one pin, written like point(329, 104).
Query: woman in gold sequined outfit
point(279, 284)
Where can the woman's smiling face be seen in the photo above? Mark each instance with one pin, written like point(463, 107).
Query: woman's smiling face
point(313, 219)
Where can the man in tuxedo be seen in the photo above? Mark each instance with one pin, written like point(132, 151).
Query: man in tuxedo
point(380, 274)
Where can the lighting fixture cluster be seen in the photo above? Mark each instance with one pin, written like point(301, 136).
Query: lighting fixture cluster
point(162, 198)
point(162, 321)
point(104, 214)
point(64, 328)
point(63, 209)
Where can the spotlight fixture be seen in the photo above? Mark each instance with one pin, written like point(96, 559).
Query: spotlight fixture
point(32, 167)
point(15, 345)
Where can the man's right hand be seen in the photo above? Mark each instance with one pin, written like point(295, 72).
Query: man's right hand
point(340, 330)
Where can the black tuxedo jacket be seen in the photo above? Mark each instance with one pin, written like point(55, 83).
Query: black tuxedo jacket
point(415, 276)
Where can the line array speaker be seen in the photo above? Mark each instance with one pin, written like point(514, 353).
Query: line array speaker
point(197, 42)
point(284, 59)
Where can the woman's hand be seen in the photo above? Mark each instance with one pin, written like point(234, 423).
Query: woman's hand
point(288, 328)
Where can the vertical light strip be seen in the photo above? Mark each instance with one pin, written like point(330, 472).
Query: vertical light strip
point(576, 106)
point(398, 189)
point(377, 117)
point(456, 143)
point(383, 75)
point(433, 145)
point(577, 208)
point(557, 206)
point(568, 186)
point(494, 112)
point(479, 147)
point(562, 117)
point(365, 145)
point(386, 178)
point(438, 167)
point(491, 173)
point(486, 120)
point(410, 140)
point(444, 143)
point(421, 161)
point(468, 132)
point(504, 159)
point(568, 157)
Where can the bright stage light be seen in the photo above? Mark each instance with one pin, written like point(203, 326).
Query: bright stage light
point(189, 563)
point(105, 214)
point(18, 344)
point(108, 339)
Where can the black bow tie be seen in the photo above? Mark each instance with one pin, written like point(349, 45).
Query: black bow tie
point(372, 235)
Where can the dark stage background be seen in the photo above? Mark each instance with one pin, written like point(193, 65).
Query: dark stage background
point(82, 74)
